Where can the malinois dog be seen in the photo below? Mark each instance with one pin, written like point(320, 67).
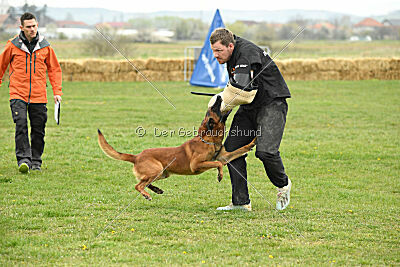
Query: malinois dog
point(197, 155)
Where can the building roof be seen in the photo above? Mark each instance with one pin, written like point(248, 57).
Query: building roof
point(368, 22)
point(321, 25)
point(71, 23)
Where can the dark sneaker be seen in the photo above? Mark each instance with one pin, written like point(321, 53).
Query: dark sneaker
point(36, 168)
point(23, 168)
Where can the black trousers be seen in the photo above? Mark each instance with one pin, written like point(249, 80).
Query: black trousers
point(30, 153)
point(267, 123)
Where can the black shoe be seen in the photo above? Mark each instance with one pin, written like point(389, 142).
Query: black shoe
point(36, 168)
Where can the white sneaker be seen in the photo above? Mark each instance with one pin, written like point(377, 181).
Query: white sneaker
point(283, 196)
point(236, 207)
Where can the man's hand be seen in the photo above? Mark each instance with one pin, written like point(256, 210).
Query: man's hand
point(57, 98)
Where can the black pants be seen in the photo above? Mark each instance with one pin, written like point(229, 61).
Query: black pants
point(25, 152)
point(267, 123)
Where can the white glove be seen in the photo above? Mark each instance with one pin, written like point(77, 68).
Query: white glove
point(232, 97)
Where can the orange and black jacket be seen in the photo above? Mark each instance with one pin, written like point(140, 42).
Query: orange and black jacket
point(28, 70)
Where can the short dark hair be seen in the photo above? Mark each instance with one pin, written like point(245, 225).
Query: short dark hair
point(223, 35)
point(27, 16)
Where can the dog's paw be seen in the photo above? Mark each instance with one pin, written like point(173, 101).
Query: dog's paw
point(219, 178)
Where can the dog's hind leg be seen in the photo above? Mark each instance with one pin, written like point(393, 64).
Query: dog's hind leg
point(141, 186)
point(155, 189)
point(146, 176)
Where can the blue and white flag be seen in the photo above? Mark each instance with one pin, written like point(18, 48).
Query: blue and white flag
point(208, 72)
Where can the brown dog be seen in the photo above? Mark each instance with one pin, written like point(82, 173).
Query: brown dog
point(201, 153)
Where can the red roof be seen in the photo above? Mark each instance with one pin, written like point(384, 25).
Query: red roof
point(368, 22)
point(62, 23)
point(326, 25)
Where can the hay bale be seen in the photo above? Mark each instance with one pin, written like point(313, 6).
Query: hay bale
point(101, 66)
point(291, 66)
point(127, 76)
point(152, 76)
point(164, 64)
point(126, 66)
point(176, 76)
point(394, 64)
point(167, 64)
point(349, 75)
point(309, 65)
point(72, 66)
point(308, 76)
point(329, 64)
point(367, 64)
point(87, 77)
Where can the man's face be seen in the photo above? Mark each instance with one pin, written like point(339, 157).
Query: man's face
point(222, 53)
point(29, 28)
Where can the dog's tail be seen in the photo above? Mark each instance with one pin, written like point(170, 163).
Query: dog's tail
point(111, 152)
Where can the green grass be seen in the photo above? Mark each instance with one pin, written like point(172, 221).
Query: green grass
point(340, 148)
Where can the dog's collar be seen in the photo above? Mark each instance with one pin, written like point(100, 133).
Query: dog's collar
point(204, 141)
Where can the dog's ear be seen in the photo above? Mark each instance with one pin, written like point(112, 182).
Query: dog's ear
point(210, 124)
point(216, 107)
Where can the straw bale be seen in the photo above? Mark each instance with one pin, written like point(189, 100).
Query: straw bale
point(85, 76)
point(350, 75)
point(394, 64)
point(309, 76)
point(309, 65)
point(175, 64)
point(291, 66)
point(126, 66)
point(128, 76)
point(386, 75)
point(176, 76)
point(329, 64)
point(172, 69)
point(368, 64)
point(71, 66)
point(155, 64)
point(101, 66)
point(164, 64)
point(347, 64)
point(152, 76)
point(120, 77)
point(329, 75)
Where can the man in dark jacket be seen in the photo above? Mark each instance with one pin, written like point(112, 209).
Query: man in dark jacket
point(262, 113)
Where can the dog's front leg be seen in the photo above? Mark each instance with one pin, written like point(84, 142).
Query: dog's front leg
point(202, 166)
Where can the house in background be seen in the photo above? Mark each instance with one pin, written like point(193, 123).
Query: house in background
point(367, 24)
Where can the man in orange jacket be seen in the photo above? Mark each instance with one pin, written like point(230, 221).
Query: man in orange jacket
point(29, 56)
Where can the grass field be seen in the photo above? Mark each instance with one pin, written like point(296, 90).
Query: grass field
point(340, 148)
